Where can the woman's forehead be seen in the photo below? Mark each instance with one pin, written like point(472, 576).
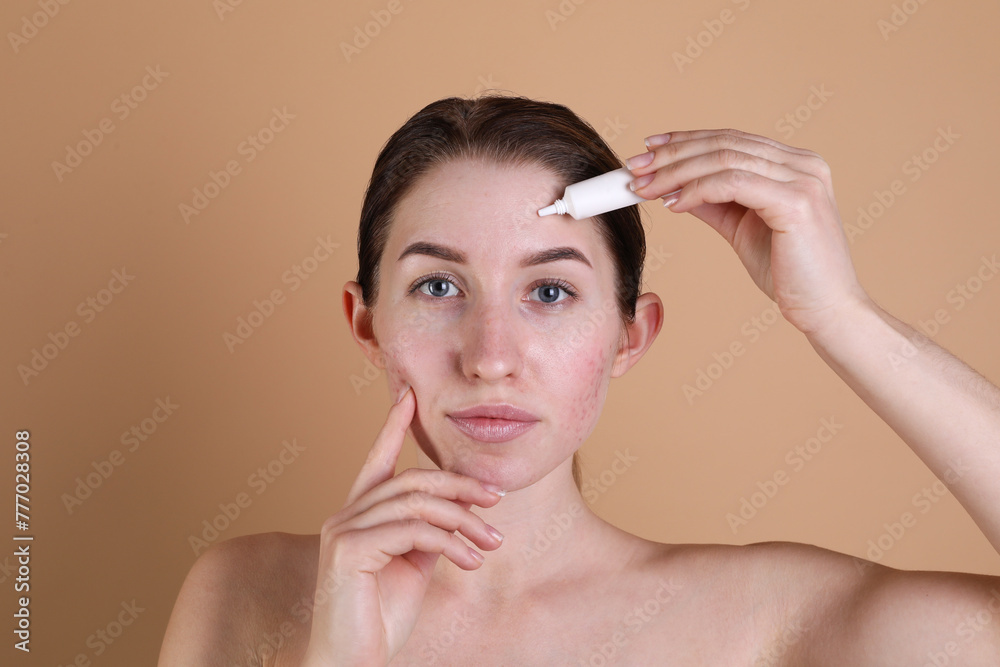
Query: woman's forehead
point(485, 187)
point(487, 210)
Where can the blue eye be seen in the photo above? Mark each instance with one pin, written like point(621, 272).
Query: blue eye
point(437, 287)
point(549, 293)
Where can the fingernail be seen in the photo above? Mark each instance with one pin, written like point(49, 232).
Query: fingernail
point(494, 532)
point(475, 554)
point(669, 199)
point(406, 388)
point(656, 140)
point(638, 161)
point(493, 488)
point(641, 182)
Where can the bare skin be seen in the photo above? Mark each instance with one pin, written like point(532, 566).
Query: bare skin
point(593, 594)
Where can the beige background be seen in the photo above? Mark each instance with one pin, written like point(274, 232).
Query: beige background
point(886, 97)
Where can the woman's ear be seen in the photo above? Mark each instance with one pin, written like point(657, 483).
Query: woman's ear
point(640, 334)
point(359, 319)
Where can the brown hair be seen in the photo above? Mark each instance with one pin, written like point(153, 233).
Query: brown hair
point(506, 130)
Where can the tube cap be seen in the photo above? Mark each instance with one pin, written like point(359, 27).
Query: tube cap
point(557, 208)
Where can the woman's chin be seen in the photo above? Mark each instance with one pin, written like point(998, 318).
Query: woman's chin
point(499, 470)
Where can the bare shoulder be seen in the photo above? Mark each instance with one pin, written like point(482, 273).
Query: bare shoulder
point(778, 566)
point(820, 607)
point(240, 599)
point(754, 604)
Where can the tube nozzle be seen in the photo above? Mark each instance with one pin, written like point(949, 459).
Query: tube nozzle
point(557, 208)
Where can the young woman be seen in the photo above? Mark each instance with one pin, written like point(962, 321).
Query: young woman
point(499, 332)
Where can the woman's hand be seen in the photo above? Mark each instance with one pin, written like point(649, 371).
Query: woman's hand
point(774, 204)
point(377, 554)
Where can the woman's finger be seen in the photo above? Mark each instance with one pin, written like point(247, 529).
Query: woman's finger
point(775, 201)
point(436, 511)
point(688, 135)
point(371, 549)
point(678, 174)
point(679, 149)
point(445, 484)
point(381, 462)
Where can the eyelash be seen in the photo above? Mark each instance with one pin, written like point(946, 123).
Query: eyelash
point(555, 282)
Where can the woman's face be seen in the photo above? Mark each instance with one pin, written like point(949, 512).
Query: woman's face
point(482, 302)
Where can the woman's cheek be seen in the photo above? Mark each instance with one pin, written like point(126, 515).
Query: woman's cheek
point(401, 366)
point(588, 384)
point(417, 358)
point(413, 357)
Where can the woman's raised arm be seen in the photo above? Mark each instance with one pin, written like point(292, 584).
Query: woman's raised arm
point(775, 205)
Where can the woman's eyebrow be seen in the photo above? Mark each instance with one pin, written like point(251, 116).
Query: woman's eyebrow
point(456, 256)
point(434, 250)
point(554, 255)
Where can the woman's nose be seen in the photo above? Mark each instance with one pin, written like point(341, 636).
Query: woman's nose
point(491, 347)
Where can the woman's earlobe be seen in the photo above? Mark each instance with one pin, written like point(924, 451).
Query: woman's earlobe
point(622, 352)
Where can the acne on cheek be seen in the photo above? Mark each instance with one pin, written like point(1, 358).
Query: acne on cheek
point(405, 364)
point(397, 374)
point(588, 400)
point(400, 346)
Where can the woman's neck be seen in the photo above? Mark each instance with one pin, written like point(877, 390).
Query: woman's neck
point(550, 535)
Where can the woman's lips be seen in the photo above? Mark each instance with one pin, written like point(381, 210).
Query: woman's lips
point(486, 429)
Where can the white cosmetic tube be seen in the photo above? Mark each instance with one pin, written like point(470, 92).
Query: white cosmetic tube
point(596, 195)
